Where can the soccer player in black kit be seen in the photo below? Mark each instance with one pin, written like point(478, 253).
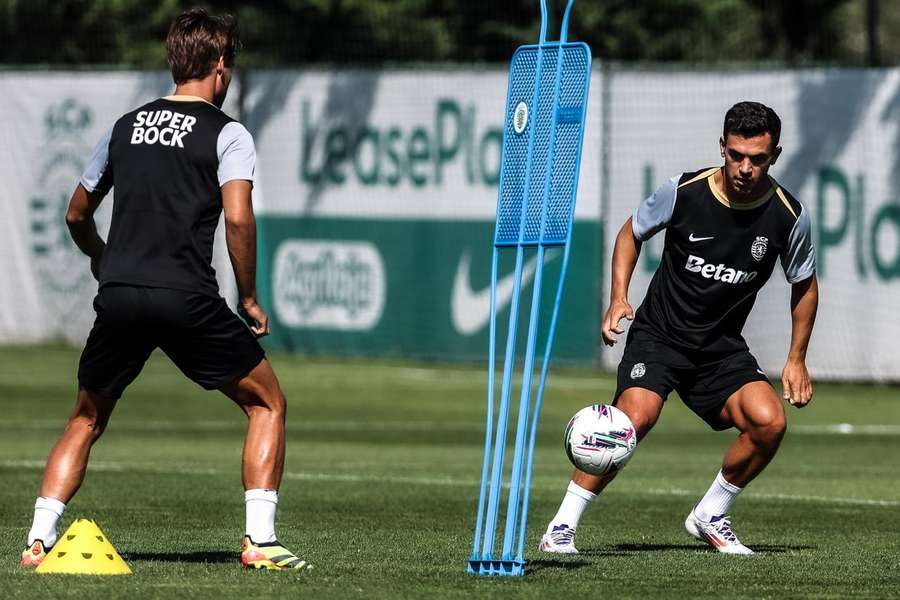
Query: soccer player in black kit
point(175, 165)
point(726, 227)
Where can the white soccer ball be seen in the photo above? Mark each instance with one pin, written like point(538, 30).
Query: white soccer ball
point(600, 439)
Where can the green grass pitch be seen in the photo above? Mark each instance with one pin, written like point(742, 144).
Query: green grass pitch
point(381, 485)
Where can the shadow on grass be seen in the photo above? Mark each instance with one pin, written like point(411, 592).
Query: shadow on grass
point(566, 565)
point(623, 549)
point(184, 557)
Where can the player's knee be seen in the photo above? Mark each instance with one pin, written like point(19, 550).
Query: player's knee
point(87, 424)
point(642, 408)
point(272, 401)
point(769, 429)
point(279, 405)
point(643, 420)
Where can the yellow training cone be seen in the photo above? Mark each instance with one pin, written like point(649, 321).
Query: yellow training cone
point(84, 549)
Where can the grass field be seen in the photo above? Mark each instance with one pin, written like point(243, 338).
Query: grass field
point(381, 483)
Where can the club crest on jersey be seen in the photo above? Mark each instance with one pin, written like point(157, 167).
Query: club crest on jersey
point(638, 370)
point(758, 248)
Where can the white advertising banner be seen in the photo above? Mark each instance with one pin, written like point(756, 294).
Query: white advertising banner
point(390, 145)
point(841, 140)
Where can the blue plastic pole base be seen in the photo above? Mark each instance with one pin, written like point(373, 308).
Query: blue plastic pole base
point(502, 568)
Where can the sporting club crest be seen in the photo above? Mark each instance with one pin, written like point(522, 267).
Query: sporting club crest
point(62, 271)
point(759, 247)
point(638, 370)
point(520, 118)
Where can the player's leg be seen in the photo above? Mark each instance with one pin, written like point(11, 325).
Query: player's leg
point(65, 471)
point(213, 347)
point(259, 395)
point(643, 407)
point(645, 377)
point(113, 356)
point(68, 460)
point(755, 410)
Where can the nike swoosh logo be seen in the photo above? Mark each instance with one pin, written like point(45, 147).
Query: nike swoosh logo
point(699, 239)
point(470, 310)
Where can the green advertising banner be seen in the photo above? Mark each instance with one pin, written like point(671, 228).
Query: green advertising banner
point(413, 288)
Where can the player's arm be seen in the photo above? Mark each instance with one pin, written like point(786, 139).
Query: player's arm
point(799, 263)
point(237, 170)
point(795, 379)
point(625, 255)
point(650, 217)
point(240, 237)
point(96, 181)
point(83, 229)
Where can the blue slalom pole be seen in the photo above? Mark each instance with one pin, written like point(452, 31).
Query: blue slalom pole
point(564, 30)
point(509, 358)
point(528, 369)
point(539, 395)
point(492, 354)
point(554, 219)
point(516, 475)
point(503, 414)
point(543, 37)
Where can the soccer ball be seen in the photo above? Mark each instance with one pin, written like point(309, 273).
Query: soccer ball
point(600, 439)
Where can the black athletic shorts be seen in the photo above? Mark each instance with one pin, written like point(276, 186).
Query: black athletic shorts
point(201, 335)
point(704, 383)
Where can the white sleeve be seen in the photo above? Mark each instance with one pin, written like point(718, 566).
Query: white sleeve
point(236, 152)
point(654, 213)
point(97, 177)
point(799, 257)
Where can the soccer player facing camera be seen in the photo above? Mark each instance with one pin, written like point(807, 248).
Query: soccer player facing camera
point(726, 227)
point(175, 164)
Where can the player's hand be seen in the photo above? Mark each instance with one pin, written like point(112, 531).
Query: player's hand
point(795, 381)
point(618, 310)
point(256, 317)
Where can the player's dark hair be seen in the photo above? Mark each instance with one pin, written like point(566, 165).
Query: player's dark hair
point(195, 42)
point(750, 119)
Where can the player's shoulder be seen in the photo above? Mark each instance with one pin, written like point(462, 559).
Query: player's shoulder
point(693, 178)
point(235, 128)
point(790, 206)
point(234, 133)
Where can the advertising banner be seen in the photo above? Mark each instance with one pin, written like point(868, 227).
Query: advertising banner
point(376, 205)
point(376, 197)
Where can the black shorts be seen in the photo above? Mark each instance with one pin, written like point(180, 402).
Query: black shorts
point(703, 383)
point(201, 335)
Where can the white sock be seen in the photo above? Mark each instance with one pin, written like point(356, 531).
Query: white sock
point(261, 505)
point(47, 512)
point(574, 503)
point(718, 499)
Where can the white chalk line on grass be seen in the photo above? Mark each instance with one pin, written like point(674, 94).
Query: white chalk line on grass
point(119, 467)
point(845, 429)
point(238, 424)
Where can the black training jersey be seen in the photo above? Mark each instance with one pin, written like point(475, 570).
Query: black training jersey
point(166, 162)
point(717, 255)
